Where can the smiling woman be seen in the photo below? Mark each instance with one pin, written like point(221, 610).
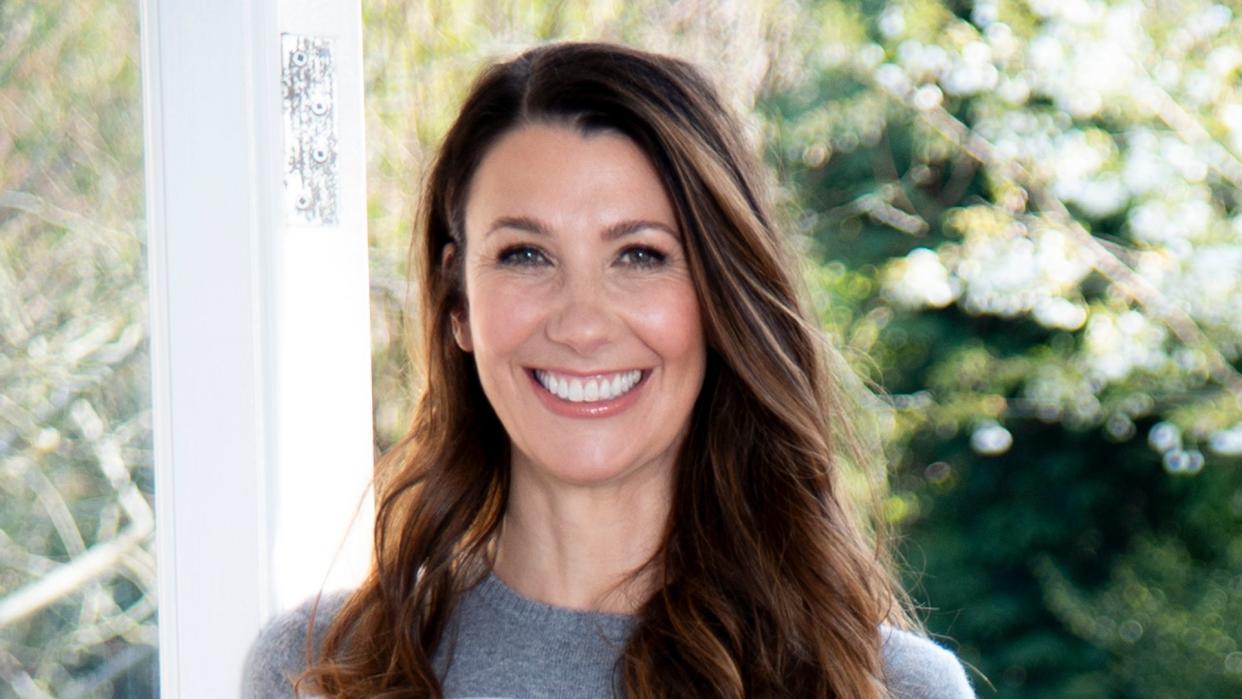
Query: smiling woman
point(595, 294)
point(620, 477)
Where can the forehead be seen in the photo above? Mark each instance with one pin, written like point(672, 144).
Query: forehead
point(570, 180)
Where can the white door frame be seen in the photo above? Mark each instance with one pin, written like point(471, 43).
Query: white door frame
point(259, 325)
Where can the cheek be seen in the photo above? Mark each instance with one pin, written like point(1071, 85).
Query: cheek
point(500, 320)
point(670, 324)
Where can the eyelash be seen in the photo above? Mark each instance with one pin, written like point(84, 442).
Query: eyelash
point(655, 258)
point(530, 256)
point(509, 256)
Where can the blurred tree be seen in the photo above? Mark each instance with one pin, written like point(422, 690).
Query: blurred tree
point(1030, 213)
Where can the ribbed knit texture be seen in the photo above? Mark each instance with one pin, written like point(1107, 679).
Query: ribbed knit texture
point(500, 645)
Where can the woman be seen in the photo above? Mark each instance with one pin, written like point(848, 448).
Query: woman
point(623, 474)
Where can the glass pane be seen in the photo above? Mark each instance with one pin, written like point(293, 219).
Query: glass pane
point(77, 566)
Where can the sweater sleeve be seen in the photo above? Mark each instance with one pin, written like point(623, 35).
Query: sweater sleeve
point(918, 668)
point(278, 654)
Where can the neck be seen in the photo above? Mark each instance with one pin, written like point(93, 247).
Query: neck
point(583, 547)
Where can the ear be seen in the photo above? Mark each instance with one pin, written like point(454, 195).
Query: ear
point(461, 329)
point(459, 317)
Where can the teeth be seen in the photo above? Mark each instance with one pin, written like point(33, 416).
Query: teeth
point(591, 390)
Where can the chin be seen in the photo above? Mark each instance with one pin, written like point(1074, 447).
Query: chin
point(586, 474)
point(586, 471)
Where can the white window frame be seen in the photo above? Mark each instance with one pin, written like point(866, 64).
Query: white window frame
point(260, 341)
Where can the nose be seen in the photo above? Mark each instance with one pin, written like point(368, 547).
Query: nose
point(581, 319)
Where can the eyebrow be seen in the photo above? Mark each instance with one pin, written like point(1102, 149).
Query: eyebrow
point(616, 230)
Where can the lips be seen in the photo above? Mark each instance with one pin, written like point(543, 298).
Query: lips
point(624, 387)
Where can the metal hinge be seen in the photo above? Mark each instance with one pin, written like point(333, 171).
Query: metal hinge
point(308, 76)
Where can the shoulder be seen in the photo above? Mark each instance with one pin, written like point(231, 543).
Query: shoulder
point(918, 668)
point(278, 653)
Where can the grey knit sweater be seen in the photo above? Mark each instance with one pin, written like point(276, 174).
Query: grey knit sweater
point(501, 645)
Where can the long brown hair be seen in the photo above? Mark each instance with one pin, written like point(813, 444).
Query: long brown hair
point(758, 478)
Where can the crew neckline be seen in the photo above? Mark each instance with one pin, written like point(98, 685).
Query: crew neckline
point(497, 594)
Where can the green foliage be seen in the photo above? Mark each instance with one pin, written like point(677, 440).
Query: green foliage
point(1041, 201)
point(1151, 615)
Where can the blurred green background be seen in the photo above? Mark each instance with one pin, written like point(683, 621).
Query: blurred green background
point(1024, 227)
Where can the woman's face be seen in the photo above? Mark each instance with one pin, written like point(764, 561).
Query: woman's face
point(581, 313)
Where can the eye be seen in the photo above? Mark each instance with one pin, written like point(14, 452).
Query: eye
point(521, 256)
point(642, 256)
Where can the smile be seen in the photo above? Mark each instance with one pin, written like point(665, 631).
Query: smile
point(593, 389)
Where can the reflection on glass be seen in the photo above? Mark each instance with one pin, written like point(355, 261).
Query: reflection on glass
point(77, 566)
